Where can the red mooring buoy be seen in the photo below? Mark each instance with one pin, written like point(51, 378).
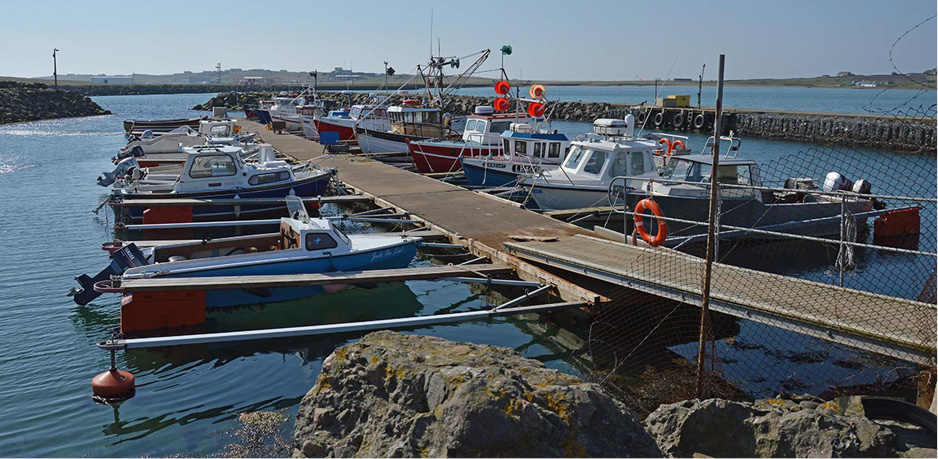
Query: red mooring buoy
point(113, 385)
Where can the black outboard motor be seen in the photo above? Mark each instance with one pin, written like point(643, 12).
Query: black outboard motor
point(121, 260)
point(124, 167)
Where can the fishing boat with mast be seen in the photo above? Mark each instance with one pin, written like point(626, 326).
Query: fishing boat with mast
point(417, 119)
point(526, 147)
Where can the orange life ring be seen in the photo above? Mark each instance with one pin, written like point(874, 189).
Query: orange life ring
point(667, 151)
point(649, 204)
point(502, 87)
point(536, 110)
point(676, 143)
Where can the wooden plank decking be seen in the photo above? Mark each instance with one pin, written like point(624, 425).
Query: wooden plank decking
point(861, 319)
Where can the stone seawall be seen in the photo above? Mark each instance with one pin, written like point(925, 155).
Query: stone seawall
point(20, 102)
point(896, 134)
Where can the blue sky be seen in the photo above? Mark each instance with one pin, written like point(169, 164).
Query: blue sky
point(598, 40)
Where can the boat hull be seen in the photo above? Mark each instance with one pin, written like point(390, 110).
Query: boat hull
point(345, 128)
point(393, 257)
point(373, 141)
point(312, 186)
point(310, 130)
point(482, 172)
point(443, 156)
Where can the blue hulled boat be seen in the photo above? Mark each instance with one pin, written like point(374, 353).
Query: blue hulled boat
point(305, 245)
point(527, 149)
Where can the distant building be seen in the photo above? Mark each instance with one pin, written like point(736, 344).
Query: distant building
point(843, 74)
point(682, 79)
point(347, 76)
point(253, 80)
point(113, 79)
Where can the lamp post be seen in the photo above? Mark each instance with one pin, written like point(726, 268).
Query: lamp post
point(55, 68)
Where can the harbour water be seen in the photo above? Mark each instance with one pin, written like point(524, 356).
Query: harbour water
point(189, 398)
point(825, 100)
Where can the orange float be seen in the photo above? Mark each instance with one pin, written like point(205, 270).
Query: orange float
point(676, 143)
point(537, 91)
point(113, 385)
point(536, 110)
point(502, 87)
point(501, 104)
point(649, 204)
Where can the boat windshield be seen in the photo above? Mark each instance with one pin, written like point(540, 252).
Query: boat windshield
point(499, 126)
point(594, 164)
point(734, 174)
point(573, 158)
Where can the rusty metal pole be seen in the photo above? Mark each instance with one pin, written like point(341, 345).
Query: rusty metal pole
point(711, 233)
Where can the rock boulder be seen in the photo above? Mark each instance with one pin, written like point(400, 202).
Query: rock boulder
point(395, 395)
point(782, 428)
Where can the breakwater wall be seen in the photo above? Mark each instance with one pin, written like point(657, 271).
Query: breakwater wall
point(899, 134)
point(20, 102)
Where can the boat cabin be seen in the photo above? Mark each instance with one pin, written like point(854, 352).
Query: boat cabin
point(410, 119)
point(312, 234)
point(221, 167)
point(686, 170)
point(485, 126)
point(370, 111)
point(524, 139)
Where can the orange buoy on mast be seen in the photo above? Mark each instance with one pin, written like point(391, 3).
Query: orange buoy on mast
point(501, 104)
point(536, 109)
point(502, 87)
point(537, 91)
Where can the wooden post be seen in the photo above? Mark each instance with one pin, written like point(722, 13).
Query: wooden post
point(711, 233)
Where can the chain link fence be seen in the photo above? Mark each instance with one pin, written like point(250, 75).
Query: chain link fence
point(856, 228)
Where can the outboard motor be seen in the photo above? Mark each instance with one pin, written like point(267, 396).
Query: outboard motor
point(121, 260)
point(125, 166)
point(834, 181)
point(862, 187)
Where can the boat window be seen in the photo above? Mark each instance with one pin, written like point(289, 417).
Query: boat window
point(507, 146)
point(320, 241)
point(537, 149)
point(521, 147)
point(212, 166)
point(574, 157)
point(638, 163)
point(269, 177)
point(619, 166)
point(595, 163)
point(499, 126)
point(431, 117)
point(698, 172)
point(554, 150)
point(471, 125)
point(355, 112)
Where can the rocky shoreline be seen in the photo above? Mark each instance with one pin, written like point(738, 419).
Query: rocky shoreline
point(396, 395)
point(898, 134)
point(21, 102)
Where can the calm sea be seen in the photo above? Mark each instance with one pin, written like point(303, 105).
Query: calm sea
point(827, 100)
point(188, 398)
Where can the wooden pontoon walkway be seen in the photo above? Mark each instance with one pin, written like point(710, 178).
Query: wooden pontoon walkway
point(893, 326)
